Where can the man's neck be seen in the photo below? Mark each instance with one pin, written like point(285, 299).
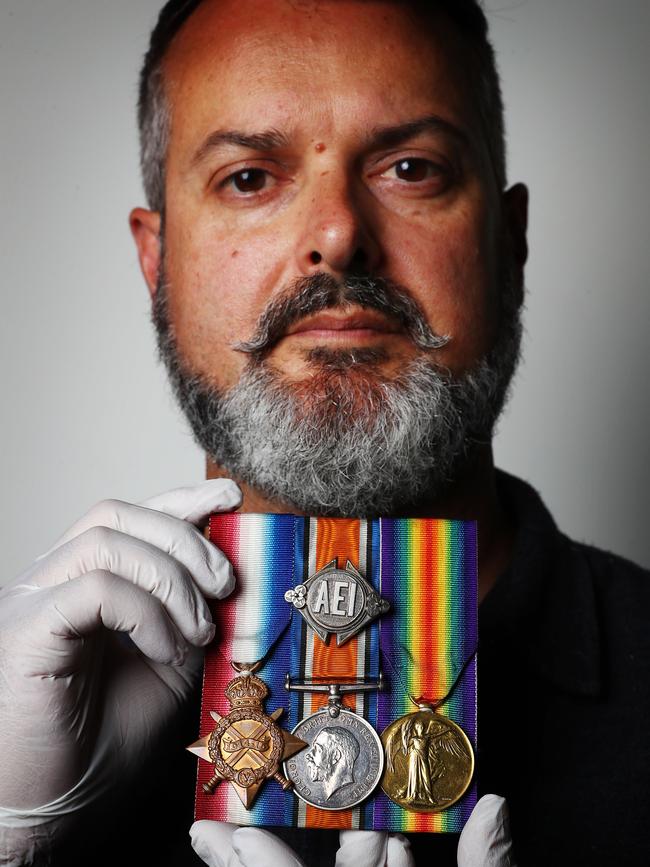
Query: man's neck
point(473, 498)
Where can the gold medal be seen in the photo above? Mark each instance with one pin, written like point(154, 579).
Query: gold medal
point(247, 746)
point(429, 761)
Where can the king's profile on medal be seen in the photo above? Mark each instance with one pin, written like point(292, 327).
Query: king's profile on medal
point(331, 759)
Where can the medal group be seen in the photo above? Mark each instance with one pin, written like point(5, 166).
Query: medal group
point(334, 759)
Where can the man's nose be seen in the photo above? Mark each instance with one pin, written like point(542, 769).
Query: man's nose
point(336, 234)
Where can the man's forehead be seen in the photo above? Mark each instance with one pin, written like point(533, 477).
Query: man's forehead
point(235, 58)
point(312, 18)
point(235, 29)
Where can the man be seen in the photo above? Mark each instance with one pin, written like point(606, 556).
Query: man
point(336, 271)
point(331, 757)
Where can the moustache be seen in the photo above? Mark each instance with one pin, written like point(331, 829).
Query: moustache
point(317, 292)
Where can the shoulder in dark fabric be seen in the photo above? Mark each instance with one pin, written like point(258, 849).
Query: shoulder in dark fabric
point(564, 695)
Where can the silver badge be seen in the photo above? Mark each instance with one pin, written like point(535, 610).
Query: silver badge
point(338, 601)
point(342, 764)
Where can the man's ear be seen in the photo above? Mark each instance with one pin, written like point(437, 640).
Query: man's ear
point(515, 206)
point(145, 228)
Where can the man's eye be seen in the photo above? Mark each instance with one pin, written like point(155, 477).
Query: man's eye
point(248, 180)
point(415, 170)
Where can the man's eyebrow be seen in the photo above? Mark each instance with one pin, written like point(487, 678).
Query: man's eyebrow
point(273, 139)
point(268, 140)
point(391, 136)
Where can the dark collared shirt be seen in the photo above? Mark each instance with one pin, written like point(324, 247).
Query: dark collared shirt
point(564, 710)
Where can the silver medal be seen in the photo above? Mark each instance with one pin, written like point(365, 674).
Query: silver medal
point(338, 601)
point(344, 760)
point(342, 764)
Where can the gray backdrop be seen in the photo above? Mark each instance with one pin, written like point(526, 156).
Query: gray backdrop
point(86, 410)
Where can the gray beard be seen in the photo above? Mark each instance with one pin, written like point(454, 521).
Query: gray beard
point(346, 441)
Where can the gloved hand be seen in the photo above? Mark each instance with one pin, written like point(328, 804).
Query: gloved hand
point(79, 704)
point(484, 842)
point(221, 844)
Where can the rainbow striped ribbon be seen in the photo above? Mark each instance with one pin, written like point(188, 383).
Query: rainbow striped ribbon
point(429, 573)
point(425, 644)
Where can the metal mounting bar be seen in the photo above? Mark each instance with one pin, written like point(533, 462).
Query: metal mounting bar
point(334, 690)
point(309, 684)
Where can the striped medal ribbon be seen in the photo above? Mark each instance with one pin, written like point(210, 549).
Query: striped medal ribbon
point(322, 802)
point(428, 719)
point(247, 745)
point(424, 643)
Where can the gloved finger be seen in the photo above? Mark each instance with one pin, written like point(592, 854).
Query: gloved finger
point(179, 679)
point(362, 849)
point(205, 562)
point(221, 844)
point(101, 548)
point(77, 608)
point(212, 841)
point(194, 503)
point(373, 849)
point(486, 839)
point(258, 848)
point(190, 504)
point(399, 853)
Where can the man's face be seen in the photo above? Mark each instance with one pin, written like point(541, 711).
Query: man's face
point(318, 759)
point(321, 82)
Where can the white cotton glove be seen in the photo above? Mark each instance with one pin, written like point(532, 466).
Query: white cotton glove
point(373, 849)
point(79, 705)
point(485, 840)
point(221, 844)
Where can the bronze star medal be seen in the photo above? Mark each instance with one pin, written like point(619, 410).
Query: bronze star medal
point(247, 745)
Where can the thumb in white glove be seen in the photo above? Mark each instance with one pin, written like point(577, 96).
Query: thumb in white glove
point(221, 844)
point(485, 840)
point(373, 849)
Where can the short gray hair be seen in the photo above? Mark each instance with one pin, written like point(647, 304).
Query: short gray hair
point(154, 118)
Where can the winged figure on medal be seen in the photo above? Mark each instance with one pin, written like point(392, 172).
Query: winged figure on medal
point(428, 762)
